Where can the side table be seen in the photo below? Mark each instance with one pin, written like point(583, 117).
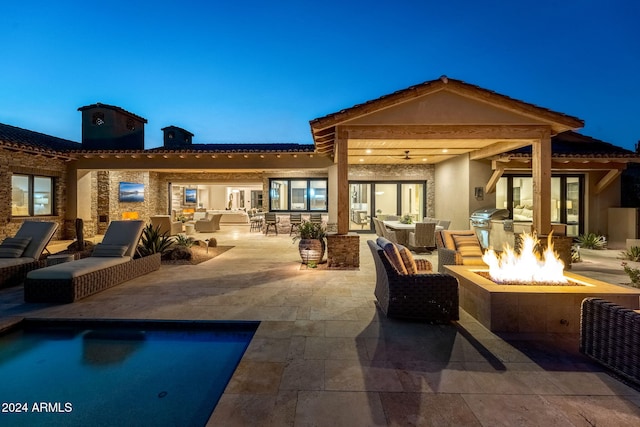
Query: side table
point(59, 259)
point(189, 228)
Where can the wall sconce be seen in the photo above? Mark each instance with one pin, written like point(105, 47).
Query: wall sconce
point(130, 215)
point(479, 193)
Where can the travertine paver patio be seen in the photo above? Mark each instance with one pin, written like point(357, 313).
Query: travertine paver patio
point(323, 355)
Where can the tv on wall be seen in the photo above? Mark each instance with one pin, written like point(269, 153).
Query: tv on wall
point(131, 192)
point(190, 196)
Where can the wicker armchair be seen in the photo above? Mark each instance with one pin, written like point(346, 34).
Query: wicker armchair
point(166, 224)
point(610, 335)
point(208, 224)
point(452, 253)
point(424, 296)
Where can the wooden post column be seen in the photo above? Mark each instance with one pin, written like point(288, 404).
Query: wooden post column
point(541, 171)
point(342, 160)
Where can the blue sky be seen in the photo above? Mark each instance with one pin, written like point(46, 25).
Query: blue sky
point(257, 71)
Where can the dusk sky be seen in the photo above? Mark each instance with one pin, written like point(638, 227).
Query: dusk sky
point(258, 71)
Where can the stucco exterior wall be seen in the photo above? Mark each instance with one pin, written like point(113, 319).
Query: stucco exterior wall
point(453, 192)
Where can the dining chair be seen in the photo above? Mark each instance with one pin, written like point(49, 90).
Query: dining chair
point(424, 236)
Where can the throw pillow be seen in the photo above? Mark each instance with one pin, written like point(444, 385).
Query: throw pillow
point(105, 250)
point(407, 260)
point(13, 247)
point(468, 246)
point(392, 253)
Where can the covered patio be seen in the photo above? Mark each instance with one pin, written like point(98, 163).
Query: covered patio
point(324, 355)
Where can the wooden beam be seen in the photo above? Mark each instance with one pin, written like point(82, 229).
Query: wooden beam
point(607, 180)
point(497, 148)
point(491, 184)
point(342, 160)
point(541, 173)
point(498, 132)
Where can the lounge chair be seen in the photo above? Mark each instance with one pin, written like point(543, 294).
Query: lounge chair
point(33, 237)
point(111, 263)
point(415, 292)
point(208, 224)
point(166, 224)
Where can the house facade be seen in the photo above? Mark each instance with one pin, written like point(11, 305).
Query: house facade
point(443, 148)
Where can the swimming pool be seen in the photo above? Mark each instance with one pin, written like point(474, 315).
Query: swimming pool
point(106, 372)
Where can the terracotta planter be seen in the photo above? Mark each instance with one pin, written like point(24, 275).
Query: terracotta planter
point(311, 250)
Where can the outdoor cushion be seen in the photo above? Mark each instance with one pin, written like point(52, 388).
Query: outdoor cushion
point(407, 260)
point(468, 246)
point(11, 262)
point(124, 233)
point(13, 247)
point(40, 233)
point(69, 270)
point(392, 252)
point(104, 250)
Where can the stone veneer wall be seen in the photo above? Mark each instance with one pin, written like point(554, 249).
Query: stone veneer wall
point(399, 172)
point(343, 251)
point(21, 163)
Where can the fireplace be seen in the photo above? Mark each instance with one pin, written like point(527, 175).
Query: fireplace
point(533, 308)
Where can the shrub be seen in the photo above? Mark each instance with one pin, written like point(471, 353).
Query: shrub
point(633, 254)
point(185, 241)
point(310, 230)
point(634, 274)
point(592, 241)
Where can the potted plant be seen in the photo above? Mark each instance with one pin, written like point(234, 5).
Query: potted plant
point(312, 244)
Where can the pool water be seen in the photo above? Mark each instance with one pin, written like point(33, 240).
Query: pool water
point(117, 373)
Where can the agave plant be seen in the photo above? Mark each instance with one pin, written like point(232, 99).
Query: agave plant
point(632, 254)
point(153, 241)
point(183, 240)
point(592, 241)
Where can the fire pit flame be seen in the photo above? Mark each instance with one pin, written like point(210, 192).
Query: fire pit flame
point(526, 267)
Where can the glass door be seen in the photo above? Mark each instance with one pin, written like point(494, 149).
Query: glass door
point(360, 206)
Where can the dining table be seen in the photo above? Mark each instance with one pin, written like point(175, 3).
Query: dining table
point(402, 230)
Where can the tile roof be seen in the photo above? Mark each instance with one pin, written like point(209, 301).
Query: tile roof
point(24, 139)
point(112, 107)
point(240, 148)
point(574, 144)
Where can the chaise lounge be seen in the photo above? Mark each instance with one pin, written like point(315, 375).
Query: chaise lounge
point(21, 254)
point(111, 263)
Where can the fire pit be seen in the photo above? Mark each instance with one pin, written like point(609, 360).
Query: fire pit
point(550, 304)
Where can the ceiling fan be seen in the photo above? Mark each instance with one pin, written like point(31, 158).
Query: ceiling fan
point(406, 156)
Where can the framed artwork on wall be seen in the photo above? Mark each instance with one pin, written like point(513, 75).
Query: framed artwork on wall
point(131, 192)
point(190, 196)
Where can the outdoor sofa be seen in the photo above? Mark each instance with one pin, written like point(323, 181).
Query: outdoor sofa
point(22, 253)
point(408, 288)
point(111, 263)
point(610, 335)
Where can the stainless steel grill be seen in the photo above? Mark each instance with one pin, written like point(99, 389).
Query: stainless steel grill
point(481, 221)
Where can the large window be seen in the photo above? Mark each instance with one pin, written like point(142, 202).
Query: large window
point(31, 195)
point(298, 195)
point(515, 193)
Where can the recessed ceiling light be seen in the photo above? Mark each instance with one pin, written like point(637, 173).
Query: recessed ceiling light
point(362, 160)
point(444, 150)
point(368, 151)
point(424, 159)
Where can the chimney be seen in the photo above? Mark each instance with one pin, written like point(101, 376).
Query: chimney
point(175, 137)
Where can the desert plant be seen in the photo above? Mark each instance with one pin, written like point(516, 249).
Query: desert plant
point(633, 273)
point(632, 254)
point(185, 241)
point(592, 241)
point(310, 230)
point(153, 241)
point(575, 254)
